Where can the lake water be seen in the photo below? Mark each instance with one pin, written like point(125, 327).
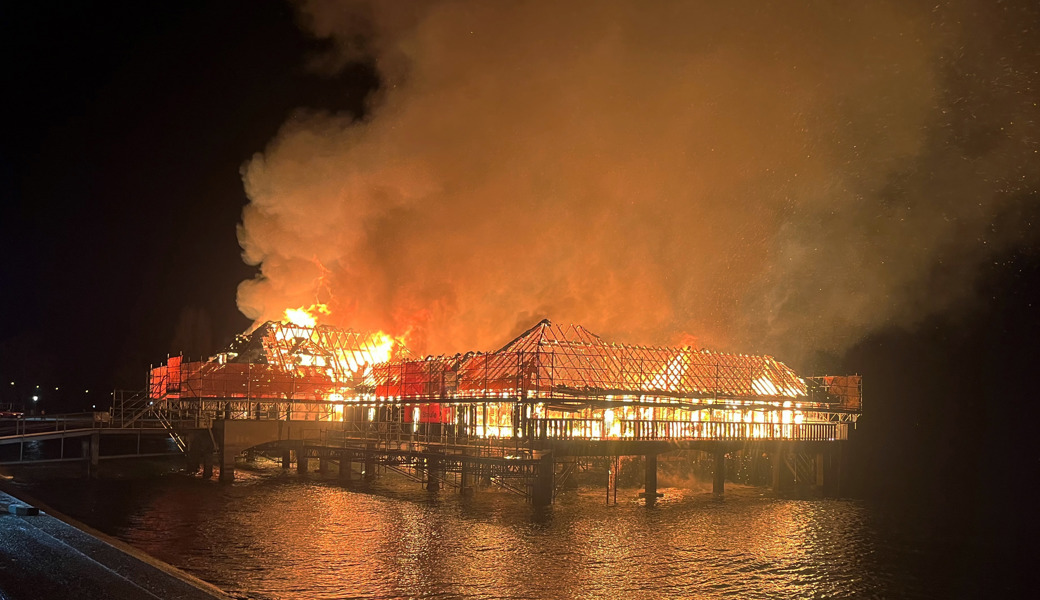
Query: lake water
point(275, 534)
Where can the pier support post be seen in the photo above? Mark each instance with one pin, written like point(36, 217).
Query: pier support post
point(227, 465)
point(718, 473)
point(834, 472)
point(544, 480)
point(193, 459)
point(650, 493)
point(323, 464)
point(344, 466)
point(778, 466)
point(301, 460)
point(207, 465)
point(286, 459)
point(434, 474)
point(468, 480)
point(92, 454)
point(370, 461)
point(95, 453)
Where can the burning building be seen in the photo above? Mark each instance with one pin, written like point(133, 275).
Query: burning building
point(551, 382)
point(552, 394)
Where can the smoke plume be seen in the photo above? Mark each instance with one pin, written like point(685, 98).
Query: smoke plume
point(768, 177)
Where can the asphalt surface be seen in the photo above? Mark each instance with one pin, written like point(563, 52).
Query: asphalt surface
point(43, 558)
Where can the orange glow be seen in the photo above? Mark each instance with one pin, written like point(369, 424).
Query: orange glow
point(347, 357)
point(381, 346)
point(305, 317)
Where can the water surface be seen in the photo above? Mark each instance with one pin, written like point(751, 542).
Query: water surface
point(274, 534)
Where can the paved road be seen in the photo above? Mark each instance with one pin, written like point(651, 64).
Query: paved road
point(42, 557)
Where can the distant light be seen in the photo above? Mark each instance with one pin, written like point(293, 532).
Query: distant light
point(93, 406)
point(12, 383)
point(37, 387)
point(55, 389)
point(35, 398)
point(86, 391)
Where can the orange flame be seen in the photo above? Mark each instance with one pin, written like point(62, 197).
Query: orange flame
point(382, 346)
point(305, 317)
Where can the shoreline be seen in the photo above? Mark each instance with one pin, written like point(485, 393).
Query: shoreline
point(51, 555)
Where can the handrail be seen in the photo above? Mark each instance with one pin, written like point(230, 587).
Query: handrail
point(633, 429)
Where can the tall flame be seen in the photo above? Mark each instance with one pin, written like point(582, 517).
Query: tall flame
point(305, 317)
point(382, 346)
point(345, 355)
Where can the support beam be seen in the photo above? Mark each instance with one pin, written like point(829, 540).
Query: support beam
point(613, 466)
point(544, 481)
point(95, 453)
point(344, 466)
point(227, 465)
point(193, 457)
point(370, 461)
point(92, 453)
point(650, 493)
point(323, 464)
point(226, 455)
point(286, 459)
point(468, 478)
point(777, 463)
point(433, 481)
point(207, 465)
point(834, 472)
point(302, 462)
point(718, 473)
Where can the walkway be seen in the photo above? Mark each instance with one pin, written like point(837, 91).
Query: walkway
point(44, 558)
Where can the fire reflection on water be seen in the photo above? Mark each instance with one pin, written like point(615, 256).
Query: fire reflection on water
point(274, 535)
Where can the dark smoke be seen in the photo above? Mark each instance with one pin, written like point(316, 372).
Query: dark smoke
point(770, 177)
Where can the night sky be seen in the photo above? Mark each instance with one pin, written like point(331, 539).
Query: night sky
point(127, 126)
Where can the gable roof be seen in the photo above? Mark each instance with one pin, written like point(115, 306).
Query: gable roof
point(553, 360)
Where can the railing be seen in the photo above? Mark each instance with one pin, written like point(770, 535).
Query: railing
point(169, 427)
point(585, 429)
point(385, 423)
point(128, 407)
point(566, 429)
point(47, 424)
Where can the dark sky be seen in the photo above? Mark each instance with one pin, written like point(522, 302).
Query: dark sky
point(119, 169)
point(125, 131)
